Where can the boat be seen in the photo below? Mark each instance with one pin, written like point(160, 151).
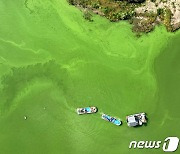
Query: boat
point(87, 110)
point(111, 119)
point(137, 119)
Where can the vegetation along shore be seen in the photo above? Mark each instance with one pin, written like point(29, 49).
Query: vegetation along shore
point(144, 15)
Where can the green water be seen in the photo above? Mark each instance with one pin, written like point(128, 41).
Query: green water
point(53, 61)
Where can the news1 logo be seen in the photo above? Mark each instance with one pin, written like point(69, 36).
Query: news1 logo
point(170, 144)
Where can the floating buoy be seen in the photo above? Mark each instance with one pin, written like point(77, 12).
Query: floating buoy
point(25, 117)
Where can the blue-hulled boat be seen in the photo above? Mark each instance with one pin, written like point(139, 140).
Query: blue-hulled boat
point(87, 110)
point(111, 119)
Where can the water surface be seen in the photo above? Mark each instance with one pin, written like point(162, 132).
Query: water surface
point(53, 61)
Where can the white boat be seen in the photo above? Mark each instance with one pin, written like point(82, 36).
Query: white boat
point(137, 119)
point(87, 110)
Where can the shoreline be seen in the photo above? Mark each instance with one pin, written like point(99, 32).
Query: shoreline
point(144, 16)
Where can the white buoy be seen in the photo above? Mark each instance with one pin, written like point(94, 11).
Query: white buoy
point(25, 117)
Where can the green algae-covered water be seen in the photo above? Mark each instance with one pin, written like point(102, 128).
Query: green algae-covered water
point(53, 61)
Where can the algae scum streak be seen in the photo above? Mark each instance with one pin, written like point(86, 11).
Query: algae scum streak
point(57, 55)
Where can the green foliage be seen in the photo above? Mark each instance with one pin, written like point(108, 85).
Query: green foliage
point(167, 19)
point(159, 11)
point(88, 16)
point(71, 2)
point(107, 10)
point(96, 5)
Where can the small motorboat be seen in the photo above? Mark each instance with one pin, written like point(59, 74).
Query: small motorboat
point(87, 110)
point(111, 119)
point(137, 119)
